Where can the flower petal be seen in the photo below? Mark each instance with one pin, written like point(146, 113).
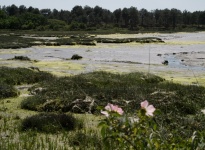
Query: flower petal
point(144, 104)
point(150, 110)
point(105, 113)
point(108, 107)
point(120, 111)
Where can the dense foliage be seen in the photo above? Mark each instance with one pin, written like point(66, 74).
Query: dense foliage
point(50, 122)
point(88, 18)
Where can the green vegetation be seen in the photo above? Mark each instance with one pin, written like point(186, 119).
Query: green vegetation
point(24, 58)
point(9, 77)
point(19, 76)
point(50, 122)
point(178, 117)
point(22, 40)
point(91, 19)
point(76, 56)
point(7, 91)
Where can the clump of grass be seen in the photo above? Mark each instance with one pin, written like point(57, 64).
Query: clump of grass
point(23, 58)
point(32, 103)
point(50, 122)
point(84, 140)
point(76, 57)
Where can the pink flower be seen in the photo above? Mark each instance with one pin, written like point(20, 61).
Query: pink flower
point(148, 108)
point(112, 108)
point(105, 113)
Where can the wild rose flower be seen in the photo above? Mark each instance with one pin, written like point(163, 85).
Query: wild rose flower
point(112, 108)
point(148, 108)
point(105, 113)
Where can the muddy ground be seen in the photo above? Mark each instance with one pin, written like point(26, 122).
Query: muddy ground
point(185, 53)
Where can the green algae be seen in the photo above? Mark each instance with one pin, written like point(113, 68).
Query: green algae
point(63, 65)
point(8, 51)
point(184, 42)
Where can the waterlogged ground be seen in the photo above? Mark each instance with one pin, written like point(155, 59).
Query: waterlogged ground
point(185, 53)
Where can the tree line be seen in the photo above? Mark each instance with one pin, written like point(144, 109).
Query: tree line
point(88, 18)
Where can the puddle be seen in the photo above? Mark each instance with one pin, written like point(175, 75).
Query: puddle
point(177, 63)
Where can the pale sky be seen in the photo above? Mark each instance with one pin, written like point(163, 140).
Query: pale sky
point(190, 5)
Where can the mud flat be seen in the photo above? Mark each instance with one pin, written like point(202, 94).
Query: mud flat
point(185, 53)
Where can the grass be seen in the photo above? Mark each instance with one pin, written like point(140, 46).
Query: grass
point(19, 76)
point(9, 77)
point(179, 106)
point(12, 138)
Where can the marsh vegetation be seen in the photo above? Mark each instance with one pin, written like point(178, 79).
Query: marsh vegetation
point(179, 108)
point(23, 40)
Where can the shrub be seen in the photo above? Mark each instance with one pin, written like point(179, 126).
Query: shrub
point(142, 130)
point(50, 122)
point(7, 91)
point(32, 103)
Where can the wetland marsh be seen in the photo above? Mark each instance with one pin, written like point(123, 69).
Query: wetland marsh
point(46, 79)
point(184, 51)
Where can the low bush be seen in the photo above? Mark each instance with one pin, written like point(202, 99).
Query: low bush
point(50, 122)
point(143, 129)
point(32, 103)
point(7, 91)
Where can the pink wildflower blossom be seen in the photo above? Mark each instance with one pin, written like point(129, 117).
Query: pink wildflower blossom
point(148, 108)
point(112, 108)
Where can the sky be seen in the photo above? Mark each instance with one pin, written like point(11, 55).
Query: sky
point(190, 5)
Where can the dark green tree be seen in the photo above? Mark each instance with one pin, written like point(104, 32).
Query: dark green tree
point(202, 18)
point(118, 15)
point(98, 14)
point(134, 17)
point(174, 14)
point(125, 16)
point(22, 9)
point(12, 10)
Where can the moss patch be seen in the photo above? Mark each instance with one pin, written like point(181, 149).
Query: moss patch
point(58, 65)
point(186, 80)
point(14, 51)
point(184, 42)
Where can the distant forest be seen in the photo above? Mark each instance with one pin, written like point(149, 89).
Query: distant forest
point(88, 18)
